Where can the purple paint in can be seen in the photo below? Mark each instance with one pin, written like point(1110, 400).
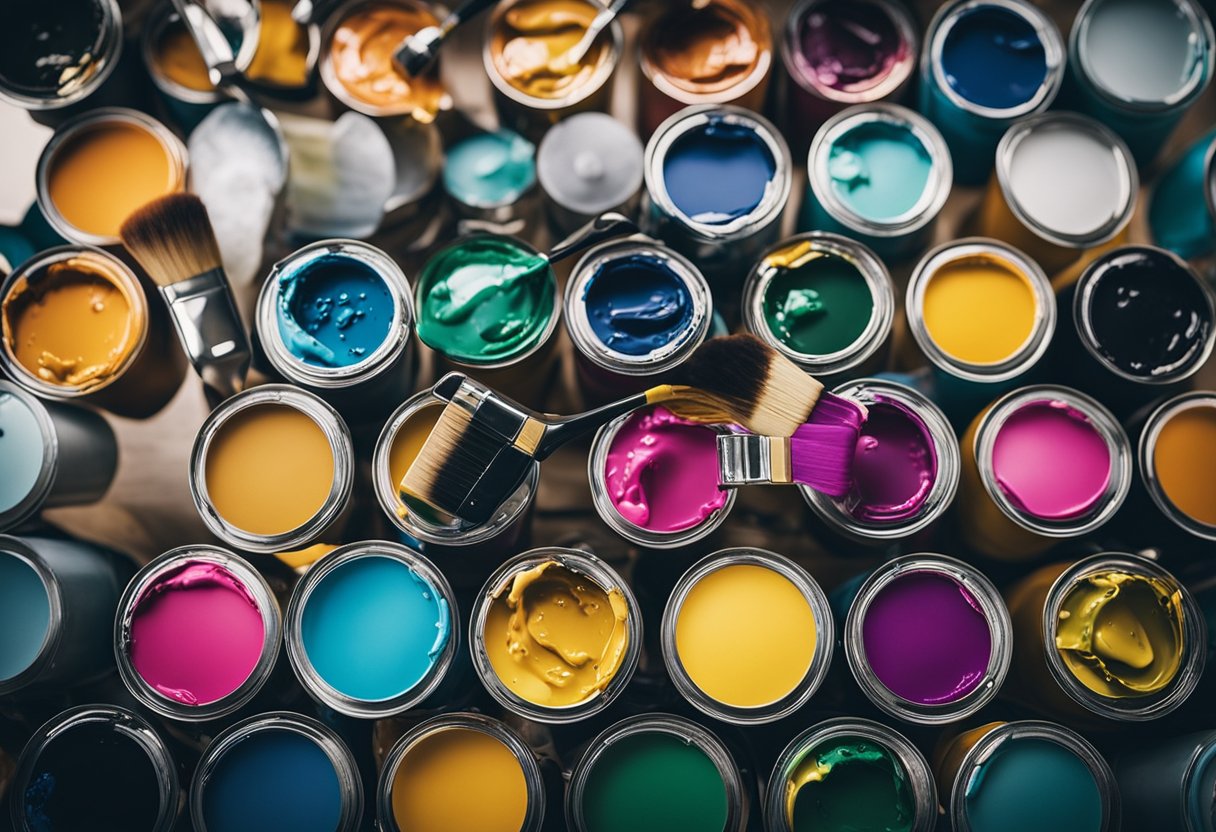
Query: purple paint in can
point(896, 465)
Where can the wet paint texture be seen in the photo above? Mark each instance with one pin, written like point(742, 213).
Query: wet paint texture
point(849, 784)
point(637, 304)
point(273, 779)
point(373, 628)
point(662, 472)
point(1033, 783)
point(708, 48)
point(979, 309)
point(25, 615)
point(50, 48)
point(196, 633)
point(895, 466)
point(485, 300)
point(994, 58)
point(879, 170)
point(1121, 634)
point(528, 45)
point(1050, 461)
point(848, 45)
point(333, 312)
point(1142, 50)
point(1184, 461)
point(654, 782)
point(745, 635)
point(1150, 318)
point(21, 453)
point(490, 169)
point(718, 172)
point(926, 638)
point(817, 303)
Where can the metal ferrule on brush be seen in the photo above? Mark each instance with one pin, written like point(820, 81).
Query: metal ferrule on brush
point(210, 329)
point(493, 413)
point(750, 459)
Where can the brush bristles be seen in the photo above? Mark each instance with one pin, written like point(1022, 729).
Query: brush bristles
point(787, 400)
point(423, 479)
point(821, 457)
point(171, 237)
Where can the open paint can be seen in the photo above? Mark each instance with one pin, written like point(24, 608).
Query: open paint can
point(1189, 181)
point(1168, 782)
point(1176, 460)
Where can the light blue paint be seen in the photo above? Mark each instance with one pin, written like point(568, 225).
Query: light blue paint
point(490, 169)
point(373, 627)
point(21, 452)
point(273, 779)
point(1178, 213)
point(1032, 783)
point(25, 615)
point(879, 170)
point(333, 311)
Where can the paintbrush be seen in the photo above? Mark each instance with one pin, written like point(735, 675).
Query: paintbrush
point(572, 57)
point(419, 50)
point(172, 239)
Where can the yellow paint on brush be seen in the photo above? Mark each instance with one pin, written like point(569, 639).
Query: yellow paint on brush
point(979, 309)
point(282, 55)
point(70, 325)
point(269, 469)
point(178, 58)
point(101, 175)
point(1185, 462)
point(530, 40)
point(554, 636)
point(1121, 634)
point(745, 635)
point(459, 779)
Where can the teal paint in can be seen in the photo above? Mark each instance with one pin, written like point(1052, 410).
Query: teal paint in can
point(1169, 784)
point(1182, 210)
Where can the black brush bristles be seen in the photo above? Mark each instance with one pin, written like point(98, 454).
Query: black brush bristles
point(171, 237)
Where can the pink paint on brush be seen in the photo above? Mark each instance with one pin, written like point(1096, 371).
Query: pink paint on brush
point(662, 472)
point(196, 633)
point(1050, 460)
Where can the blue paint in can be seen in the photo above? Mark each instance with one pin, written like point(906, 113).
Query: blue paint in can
point(637, 304)
point(333, 311)
point(994, 58)
point(718, 172)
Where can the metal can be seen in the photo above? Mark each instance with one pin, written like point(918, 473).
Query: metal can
point(1165, 781)
point(1063, 184)
point(1176, 443)
point(303, 328)
point(894, 213)
point(987, 63)
point(911, 779)
point(491, 177)
point(1117, 80)
point(723, 214)
point(847, 279)
point(588, 164)
point(1189, 181)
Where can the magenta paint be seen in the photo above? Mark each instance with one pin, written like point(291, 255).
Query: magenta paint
point(196, 633)
point(848, 45)
point(926, 638)
point(1050, 461)
point(895, 467)
point(662, 472)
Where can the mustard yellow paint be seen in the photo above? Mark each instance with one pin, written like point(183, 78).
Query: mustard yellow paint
point(459, 779)
point(745, 635)
point(979, 309)
point(177, 56)
point(282, 54)
point(1185, 462)
point(529, 41)
point(555, 637)
point(1121, 634)
point(269, 469)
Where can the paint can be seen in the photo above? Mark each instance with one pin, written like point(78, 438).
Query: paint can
point(1138, 65)
point(680, 503)
point(53, 455)
point(93, 762)
point(879, 173)
point(1168, 783)
point(442, 535)
point(524, 39)
point(1063, 184)
point(839, 53)
point(57, 602)
point(165, 630)
point(928, 639)
point(717, 182)
point(1143, 322)
point(634, 310)
point(891, 778)
point(825, 302)
point(272, 469)
point(588, 164)
point(747, 636)
point(335, 317)
point(507, 339)
point(1189, 181)
point(1176, 461)
point(57, 344)
point(372, 629)
point(1068, 656)
point(277, 769)
point(1007, 776)
point(983, 314)
point(1040, 465)
point(717, 52)
point(100, 167)
point(897, 495)
point(284, 65)
point(425, 785)
point(987, 63)
point(656, 771)
point(491, 177)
